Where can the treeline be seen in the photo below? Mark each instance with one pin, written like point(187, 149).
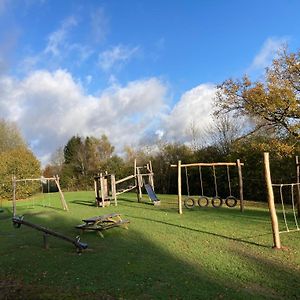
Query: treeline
point(83, 157)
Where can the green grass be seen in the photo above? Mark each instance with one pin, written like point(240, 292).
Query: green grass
point(205, 253)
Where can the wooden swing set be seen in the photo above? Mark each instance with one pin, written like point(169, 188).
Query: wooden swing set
point(54, 179)
point(203, 200)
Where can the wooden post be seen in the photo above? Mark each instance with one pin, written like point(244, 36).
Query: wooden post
point(274, 219)
point(45, 241)
point(239, 166)
point(102, 189)
point(96, 187)
point(298, 186)
point(151, 176)
point(62, 197)
point(113, 188)
point(140, 182)
point(14, 196)
point(179, 188)
point(136, 181)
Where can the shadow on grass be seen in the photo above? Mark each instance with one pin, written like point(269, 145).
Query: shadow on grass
point(286, 279)
point(83, 202)
point(122, 265)
point(204, 232)
point(125, 264)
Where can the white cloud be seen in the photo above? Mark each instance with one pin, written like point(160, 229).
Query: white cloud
point(194, 108)
point(57, 39)
point(267, 53)
point(116, 57)
point(99, 25)
point(60, 50)
point(51, 107)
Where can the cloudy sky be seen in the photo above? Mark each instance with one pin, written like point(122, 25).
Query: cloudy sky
point(135, 70)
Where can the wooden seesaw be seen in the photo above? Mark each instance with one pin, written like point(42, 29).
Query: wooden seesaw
point(18, 221)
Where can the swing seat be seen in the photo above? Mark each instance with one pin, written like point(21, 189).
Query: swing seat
point(189, 203)
point(216, 202)
point(200, 201)
point(231, 201)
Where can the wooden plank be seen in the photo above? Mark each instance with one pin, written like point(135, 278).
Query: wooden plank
point(125, 178)
point(126, 190)
point(103, 217)
point(207, 164)
point(20, 221)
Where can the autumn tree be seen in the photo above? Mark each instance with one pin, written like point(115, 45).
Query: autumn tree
point(273, 104)
point(15, 159)
point(10, 136)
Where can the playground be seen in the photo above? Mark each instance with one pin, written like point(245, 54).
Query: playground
point(114, 243)
point(205, 252)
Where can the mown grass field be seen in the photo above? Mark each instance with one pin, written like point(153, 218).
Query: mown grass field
point(205, 253)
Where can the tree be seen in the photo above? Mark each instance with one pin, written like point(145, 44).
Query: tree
point(15, 159)
point(222, 133)
point(21, 163)
point(105, 148)
point(273, 103)
point(83, 158)
point(10, 136)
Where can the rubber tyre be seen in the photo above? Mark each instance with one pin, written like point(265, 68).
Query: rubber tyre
point(229, 200)
point(200, 202)
point(189, 203)
point(216, 202)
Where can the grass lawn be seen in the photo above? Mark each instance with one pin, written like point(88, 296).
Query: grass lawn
point(206, 253)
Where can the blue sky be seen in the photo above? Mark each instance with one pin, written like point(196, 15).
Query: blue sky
point(118, 67)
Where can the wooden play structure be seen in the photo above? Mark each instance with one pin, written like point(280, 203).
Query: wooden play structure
point(18, 221)
point(40, 181)
point(203, 200)
point(107, 188)
point(290, 219)
point(102, 223)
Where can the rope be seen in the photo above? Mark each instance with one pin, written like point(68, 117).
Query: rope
point(283, 209)
point(48, 192)
point(215, 181)
point(187, 182)
point(228, 178)
point(293, 205)
point(201, 182)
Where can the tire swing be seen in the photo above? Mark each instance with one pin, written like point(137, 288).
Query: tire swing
point(203, 201)
point(230, 201)
point(189, 202)
point(216, 201)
